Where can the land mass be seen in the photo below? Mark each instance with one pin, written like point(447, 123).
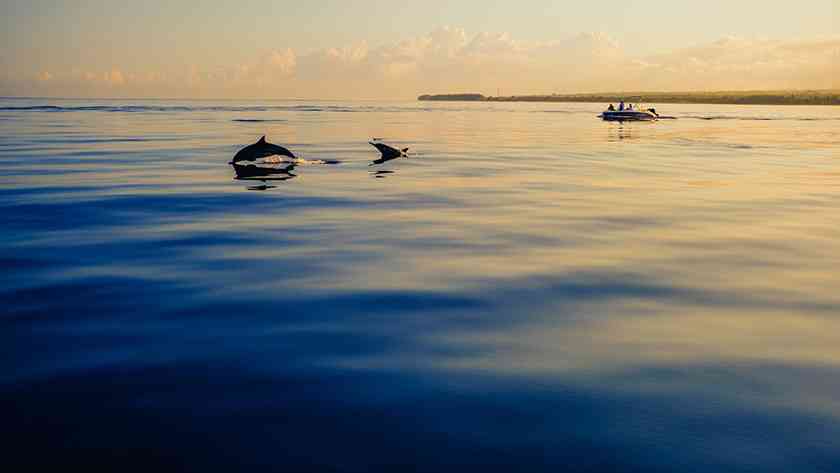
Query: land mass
point(764, 97)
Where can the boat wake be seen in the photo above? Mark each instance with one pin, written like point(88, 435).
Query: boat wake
point(759, 119)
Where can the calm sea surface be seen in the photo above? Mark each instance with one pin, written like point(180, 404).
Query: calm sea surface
point(533, 289)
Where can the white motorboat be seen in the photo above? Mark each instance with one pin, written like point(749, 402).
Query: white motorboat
point(630, 115)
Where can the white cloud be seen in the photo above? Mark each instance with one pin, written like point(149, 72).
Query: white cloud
point(115, 77)
point(748, 63)
point(449, 59)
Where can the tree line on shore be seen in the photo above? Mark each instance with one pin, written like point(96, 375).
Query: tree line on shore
point(790, 97)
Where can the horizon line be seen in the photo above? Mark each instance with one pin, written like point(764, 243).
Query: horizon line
point(414, 98)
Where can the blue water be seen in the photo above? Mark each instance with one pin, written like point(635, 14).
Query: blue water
point(531, 290)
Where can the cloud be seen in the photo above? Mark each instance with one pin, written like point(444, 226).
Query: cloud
point(748, 63)
point(112, 78)
point(449, 59)
point(275, 65)
point(115, 77)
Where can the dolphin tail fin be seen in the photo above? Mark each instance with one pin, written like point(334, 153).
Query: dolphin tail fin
point(262, 140)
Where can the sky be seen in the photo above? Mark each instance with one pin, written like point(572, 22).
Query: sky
point(387, 49)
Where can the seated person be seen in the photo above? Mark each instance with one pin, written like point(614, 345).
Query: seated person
point(611, 108)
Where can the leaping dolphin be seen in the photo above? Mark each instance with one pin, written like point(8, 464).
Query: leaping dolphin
point(388, 152)
point(261, 149)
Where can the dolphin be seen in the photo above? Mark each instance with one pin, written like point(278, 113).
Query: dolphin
point(261, 149)
point(388, 152)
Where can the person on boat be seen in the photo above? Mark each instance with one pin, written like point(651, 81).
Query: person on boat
point(621, 106)
point(630, 107)
point(611, 108)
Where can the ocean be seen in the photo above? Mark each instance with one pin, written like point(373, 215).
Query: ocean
point(531, 289)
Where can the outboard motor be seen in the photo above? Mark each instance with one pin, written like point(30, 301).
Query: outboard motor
point(653, 111)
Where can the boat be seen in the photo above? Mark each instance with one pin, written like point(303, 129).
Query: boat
point(630, 115)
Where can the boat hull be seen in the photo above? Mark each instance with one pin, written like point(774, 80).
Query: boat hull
point(629, 116)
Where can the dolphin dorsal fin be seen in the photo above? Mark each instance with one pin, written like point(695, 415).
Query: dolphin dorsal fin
point(262, 140)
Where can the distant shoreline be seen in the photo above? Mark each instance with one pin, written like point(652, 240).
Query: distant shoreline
point(789, 97)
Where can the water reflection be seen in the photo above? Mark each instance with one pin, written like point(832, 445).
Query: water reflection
point(625, 131)
point(551, 302)
point(275, 171)
point(381, 174)
point(264, 173)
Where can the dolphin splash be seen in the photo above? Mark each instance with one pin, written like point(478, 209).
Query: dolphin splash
point(261, 149)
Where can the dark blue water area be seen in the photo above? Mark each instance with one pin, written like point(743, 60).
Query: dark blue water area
point(557, 302)
point(107, 372)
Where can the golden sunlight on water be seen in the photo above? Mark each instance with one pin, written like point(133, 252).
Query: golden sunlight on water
point(649, 274)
